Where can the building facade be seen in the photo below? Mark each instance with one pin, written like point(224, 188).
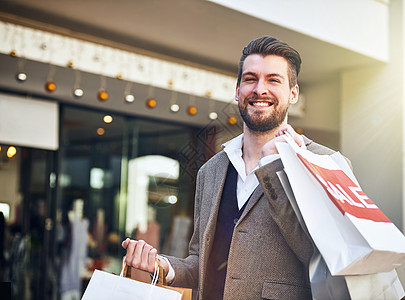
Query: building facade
point(108, 110)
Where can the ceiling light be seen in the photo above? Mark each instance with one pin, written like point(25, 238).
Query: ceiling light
point(192, 110)
point(78, 92)
point(50, 86)
point(21, 76)
point(232, 120)
point(129, 98)
point(102, 95)
point(100, 131)
point(174, 108)
point(151, 103)
point(107, 119)
point(11, 151)
point(213, 115)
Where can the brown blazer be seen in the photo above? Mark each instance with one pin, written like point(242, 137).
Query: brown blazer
point(269, 253)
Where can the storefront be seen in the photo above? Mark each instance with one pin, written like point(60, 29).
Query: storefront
point(80, 172)
point(112, 176)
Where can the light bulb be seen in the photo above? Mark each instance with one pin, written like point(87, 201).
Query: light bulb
point(78, 92)
point(174, 108)
point(232, 120)
point(151, 103)
point(107, 119)
point(129, 98)
point(102, 95)
point(50, 86)
point(213, 115)
point(21, 76)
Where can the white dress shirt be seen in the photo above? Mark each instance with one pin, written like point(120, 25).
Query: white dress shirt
point(246, 184)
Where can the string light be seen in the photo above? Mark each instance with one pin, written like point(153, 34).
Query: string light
point(21, 76)
point(102, 92)
point(78, 92)
point(232, 120)
point(213, 115)
point(102, 95)
point(211, 108)
point(129, 98)
point(174, 107)
point(11, 151)
point(50, 86)
point(107, 119)
point(100, 131)
point(151, 103)
point(192, 110)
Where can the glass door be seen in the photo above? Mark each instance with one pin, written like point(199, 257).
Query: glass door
point(26, 201)
point(121, 177)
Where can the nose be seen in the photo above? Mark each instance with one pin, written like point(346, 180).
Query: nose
point(260, 88)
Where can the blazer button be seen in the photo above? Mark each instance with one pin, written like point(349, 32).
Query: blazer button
point(235, 221)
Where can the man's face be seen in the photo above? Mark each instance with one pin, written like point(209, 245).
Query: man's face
point(263, 93)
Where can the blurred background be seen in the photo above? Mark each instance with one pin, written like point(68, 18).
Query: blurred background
point(108, 109)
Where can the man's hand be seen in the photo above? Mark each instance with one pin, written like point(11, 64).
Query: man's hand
point(141, 255)
point(270, 147)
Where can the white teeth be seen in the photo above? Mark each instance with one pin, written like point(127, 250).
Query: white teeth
point(261, 104)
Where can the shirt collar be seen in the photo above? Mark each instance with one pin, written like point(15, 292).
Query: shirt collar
point(233, 144)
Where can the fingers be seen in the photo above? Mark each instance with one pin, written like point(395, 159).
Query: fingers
point(288, 128)
point(164, 263)
point(140, 255)
point(125, 243)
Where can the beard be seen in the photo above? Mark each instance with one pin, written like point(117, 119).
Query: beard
point(261, 121)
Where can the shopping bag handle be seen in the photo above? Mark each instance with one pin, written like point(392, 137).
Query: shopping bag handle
point(159, 275)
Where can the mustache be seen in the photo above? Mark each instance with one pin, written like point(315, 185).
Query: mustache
point(257, 98)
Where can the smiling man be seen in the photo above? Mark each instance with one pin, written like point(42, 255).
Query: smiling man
point(247, 241)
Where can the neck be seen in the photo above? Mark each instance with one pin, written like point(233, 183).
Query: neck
point(253, 143)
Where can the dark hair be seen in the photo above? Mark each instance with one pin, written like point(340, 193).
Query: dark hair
point(268, 45)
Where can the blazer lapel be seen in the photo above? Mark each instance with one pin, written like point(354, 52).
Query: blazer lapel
point(219, 176)
point(218, 186)
point(256, 196)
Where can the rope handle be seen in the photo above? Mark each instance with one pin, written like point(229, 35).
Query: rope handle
point(159, 276)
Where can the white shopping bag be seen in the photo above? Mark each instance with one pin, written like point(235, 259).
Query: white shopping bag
point(353, 236)
point(106, 286)
point(380, 286)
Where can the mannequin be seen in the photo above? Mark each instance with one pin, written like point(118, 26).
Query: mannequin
point(75, 262)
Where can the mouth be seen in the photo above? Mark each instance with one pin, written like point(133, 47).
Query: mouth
point(261, 103)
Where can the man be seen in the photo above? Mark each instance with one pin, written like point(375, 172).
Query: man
point(247, 241)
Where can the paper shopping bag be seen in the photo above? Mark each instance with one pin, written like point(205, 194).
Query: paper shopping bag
point(106, 286)
point(378, 286)
point(186, 293)
point(353, 236)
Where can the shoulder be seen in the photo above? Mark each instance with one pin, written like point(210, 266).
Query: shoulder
point(218, 160)
point(317, 148)
point(322, 150)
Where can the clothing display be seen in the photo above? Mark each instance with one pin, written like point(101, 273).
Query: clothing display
point(70, 280)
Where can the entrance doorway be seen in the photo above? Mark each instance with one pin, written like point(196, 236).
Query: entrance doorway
point(27, 180)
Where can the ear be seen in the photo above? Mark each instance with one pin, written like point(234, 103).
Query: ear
point(237, 92)
point(294, 94)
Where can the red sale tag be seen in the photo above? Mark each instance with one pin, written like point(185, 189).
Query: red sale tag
point(345, 194)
